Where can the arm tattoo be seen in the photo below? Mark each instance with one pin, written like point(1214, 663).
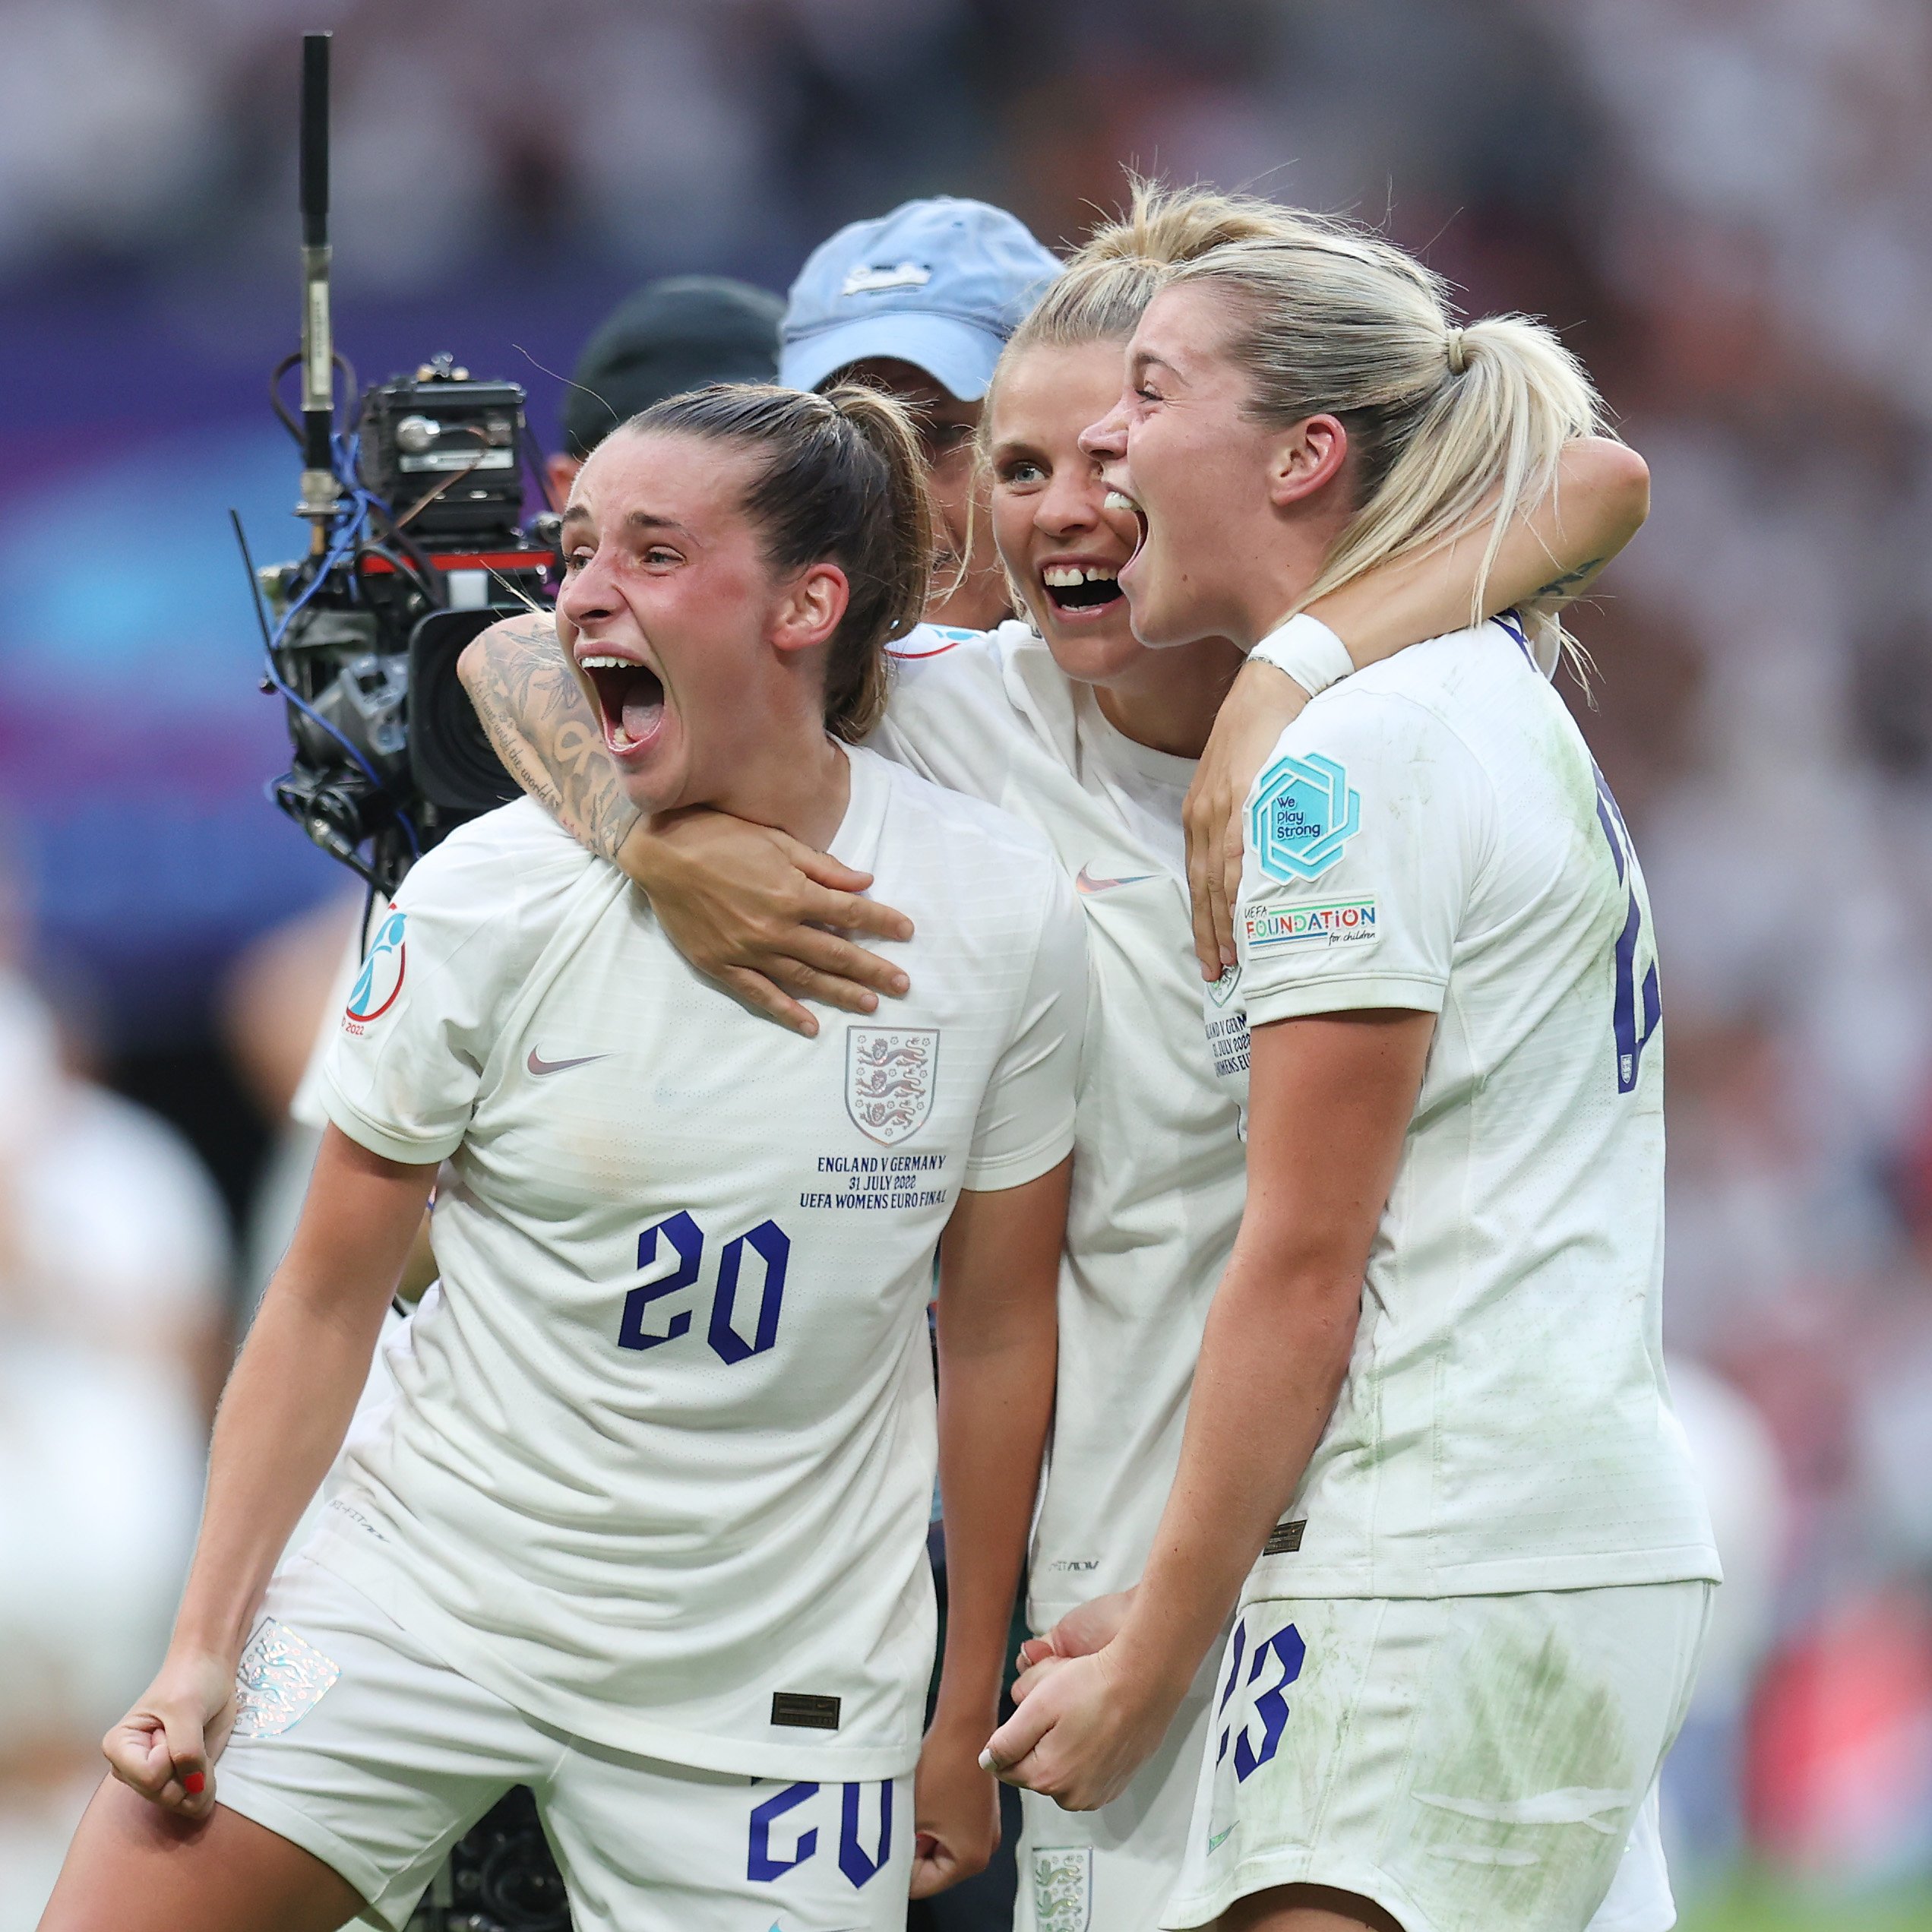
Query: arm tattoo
point(546, 732)
point(1571, 581)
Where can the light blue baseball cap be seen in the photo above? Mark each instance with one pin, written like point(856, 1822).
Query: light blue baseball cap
point(940, 283)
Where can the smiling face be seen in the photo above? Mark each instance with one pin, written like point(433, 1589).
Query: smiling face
point(1179, 444)
point(675, 610)
point(1060, 543)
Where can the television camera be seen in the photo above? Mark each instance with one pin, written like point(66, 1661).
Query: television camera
point(416, 543)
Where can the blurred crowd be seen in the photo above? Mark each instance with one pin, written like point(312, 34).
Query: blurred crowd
point(1726, 208)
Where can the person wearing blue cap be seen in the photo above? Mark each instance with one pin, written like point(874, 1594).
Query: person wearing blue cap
point(921, 302)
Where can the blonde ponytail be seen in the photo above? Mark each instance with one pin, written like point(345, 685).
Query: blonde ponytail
point(1450, 427)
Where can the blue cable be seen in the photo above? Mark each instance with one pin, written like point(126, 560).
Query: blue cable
point(342, 544)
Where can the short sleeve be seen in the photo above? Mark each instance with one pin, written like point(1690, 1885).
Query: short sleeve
point(949, 718)
point(1365, 833)
point(1025, 1124)
point(402, 1075)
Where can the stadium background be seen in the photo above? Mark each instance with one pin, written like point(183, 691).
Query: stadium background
point(1728, 211)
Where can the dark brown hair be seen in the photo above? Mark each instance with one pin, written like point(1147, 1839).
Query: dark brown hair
point(842, 482)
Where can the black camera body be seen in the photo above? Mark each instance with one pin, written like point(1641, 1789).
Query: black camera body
point(424, 548)
point(499, 1877)
point(456, 443)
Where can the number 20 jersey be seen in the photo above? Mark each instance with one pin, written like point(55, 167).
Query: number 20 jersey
point(659, 1464)
point(1431, 834)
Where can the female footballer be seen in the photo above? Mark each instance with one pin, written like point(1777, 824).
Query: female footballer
point(1430, 1458)
point(1070, 723)
point(643, 1526)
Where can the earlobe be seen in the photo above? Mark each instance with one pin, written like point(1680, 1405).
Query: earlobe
point(1308, 458)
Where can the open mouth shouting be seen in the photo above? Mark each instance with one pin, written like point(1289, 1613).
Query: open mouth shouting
point(1079, 587)
point(630, 700)
point(1118, 499)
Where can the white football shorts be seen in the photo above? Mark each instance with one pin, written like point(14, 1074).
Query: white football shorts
point(1465, 1761)
point(1113, 1870)
point(355, 1742)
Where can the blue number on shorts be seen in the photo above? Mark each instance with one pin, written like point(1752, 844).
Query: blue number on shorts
point(855, 1861)
point(1228, 1689)
point(688, 1242)
point(1271, 1707)
point(759, 1865)
point(767, 1240)
point(1631, 1043)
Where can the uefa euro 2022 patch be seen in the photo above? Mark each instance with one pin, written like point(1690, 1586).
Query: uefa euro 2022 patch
point(381, 977)
point(1305, 812)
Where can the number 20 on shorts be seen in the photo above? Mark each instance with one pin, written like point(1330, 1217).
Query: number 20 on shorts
point(767, 1242)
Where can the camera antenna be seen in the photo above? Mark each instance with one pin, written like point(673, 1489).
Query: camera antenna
point(321, 490)
point(254, 583)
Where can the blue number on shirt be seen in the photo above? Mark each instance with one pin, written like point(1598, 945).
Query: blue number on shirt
point(759, 1865)
point(1631, 1043)
point(768, 1241)
point(688, 1241)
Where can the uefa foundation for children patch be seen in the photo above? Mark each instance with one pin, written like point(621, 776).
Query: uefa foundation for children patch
point(1305, 812)
point(281, 1678)
point(1341, 922)
point(1063, 1888)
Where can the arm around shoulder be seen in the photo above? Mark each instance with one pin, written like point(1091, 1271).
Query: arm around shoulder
point(544, 727)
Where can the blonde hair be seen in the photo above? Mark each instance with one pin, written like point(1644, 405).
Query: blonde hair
point(1449, 425)
point(1110, 278)
point(1105, 288)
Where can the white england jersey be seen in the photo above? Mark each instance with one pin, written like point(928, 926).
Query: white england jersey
point(1433, 834)
point(658, 1465)
point(1158, 1174)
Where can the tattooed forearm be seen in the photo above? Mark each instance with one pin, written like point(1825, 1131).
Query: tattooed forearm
point(546, 730)
point(1571, 581)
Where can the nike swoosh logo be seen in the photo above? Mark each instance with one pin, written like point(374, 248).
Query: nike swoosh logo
point(1086, 882)
point(539, 1066)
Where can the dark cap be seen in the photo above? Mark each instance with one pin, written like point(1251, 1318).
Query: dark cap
point(670, 336)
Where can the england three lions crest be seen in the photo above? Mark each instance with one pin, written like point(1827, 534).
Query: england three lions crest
point(889, 1076)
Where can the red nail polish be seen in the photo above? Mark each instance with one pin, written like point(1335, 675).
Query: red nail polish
point(194, 1784)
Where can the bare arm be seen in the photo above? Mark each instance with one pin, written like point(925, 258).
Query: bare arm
point(748, 906)
point(1276, 1350)
point(544, 726)
point(1548, 556)
point(999, 1278)
point(283, 1417)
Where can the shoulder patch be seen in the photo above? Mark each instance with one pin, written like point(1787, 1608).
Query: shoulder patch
point(1305, 812)
point(381, 977)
